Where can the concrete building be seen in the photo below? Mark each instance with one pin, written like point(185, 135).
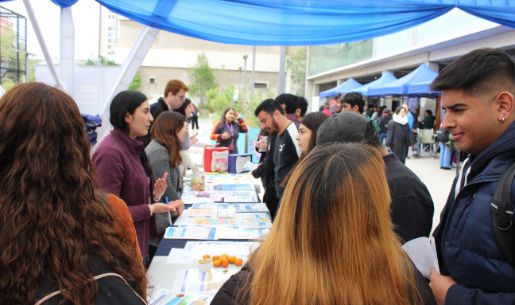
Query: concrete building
point(435, 43)
point(173, 55)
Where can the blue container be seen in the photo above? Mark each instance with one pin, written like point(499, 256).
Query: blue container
point(236, 162)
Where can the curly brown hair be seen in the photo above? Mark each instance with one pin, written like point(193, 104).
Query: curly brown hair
point(53, 221)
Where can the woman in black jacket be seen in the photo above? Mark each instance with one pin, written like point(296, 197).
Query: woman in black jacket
point(398, 137)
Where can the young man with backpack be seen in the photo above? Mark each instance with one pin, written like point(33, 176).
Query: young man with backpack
point(478, 92)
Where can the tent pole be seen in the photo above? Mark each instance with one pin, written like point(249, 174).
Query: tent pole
point(129, 68)
point(42, 44)
point(282, 74)
point(67, 54)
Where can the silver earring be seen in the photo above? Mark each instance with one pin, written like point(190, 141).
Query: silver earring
point(502, 120)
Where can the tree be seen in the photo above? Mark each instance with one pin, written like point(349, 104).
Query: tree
point(202, 79)
point(136, 82)
point(296, 63)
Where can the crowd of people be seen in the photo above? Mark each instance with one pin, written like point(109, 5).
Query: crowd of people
point(81, 228)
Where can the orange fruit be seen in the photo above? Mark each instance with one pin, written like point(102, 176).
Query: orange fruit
point(215, 257)
point(217, 263)
point(232, 259)
point(206, 256)
point(225, 263)
point(238, 262)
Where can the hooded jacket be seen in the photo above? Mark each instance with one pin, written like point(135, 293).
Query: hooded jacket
point(467, 250)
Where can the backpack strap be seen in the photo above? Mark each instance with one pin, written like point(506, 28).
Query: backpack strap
point(502, 216)
point(96, 277)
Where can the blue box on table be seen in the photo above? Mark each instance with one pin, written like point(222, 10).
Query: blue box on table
point(237, 162)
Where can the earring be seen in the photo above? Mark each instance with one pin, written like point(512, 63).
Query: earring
point(502, 120)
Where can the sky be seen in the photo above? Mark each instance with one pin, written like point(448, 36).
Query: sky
point(86, 23)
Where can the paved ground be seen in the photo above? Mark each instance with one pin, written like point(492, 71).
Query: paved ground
point(438, 181)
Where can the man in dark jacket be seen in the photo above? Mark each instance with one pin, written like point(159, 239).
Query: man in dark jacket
point(286, 148)
point(412, 207)
point(478, 95)
point(265, 171)
point(174, 95)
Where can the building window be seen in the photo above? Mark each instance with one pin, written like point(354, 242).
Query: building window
point(151, 80)
point(260, 85)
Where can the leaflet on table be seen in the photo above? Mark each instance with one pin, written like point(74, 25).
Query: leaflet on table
point(192, 199)
point(202, 212)
point(241, 197)
point(185, 221)
point(254, 220)
point(179, 256)
point(193, 281)
point(233, 187)
point(222, 196)
point(197, 249)
point(233, 207)
point(240, 233)
point(192, 232)
point(162, 296)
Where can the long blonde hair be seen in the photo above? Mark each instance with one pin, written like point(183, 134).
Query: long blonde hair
point(333, 241)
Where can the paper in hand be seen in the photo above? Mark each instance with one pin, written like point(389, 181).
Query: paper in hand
point(423, 254)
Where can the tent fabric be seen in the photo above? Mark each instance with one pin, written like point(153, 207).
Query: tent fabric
point(64, 3)
point(293, 22)
point(421, 88)
point(345, 87)
point(386, 77)
point(423, 74)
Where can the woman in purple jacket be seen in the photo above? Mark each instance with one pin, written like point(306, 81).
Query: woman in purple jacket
point(122, 166)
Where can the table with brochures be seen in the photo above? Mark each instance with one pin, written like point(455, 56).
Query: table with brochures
point(226, 218)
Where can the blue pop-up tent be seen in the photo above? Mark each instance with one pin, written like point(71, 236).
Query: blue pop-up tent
point(422, 75)
point(386, 77)
point(347, 86)
point(423, 87)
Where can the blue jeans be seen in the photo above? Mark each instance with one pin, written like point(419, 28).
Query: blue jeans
point(445, 155)
point(382, 137)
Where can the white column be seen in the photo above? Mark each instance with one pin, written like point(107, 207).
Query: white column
point(42, 44)
point(67, 46)
point(282, 66)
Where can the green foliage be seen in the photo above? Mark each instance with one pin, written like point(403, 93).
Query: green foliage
point(136, 82)
point(219, 100)
point(32, 69)
point(202, 79)
point(101, 61)
point(13, 55)
point(296, 63)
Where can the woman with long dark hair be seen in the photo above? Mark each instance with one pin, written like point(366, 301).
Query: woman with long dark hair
point(122, 165)
point(168, 132)
point(332, 241)
point(308, 131)
point(57, 231)
point(227, 131)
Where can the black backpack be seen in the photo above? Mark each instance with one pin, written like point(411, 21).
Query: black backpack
point(502, 216)
point(442, 135)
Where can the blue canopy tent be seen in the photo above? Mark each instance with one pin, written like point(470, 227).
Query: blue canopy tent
point(423, 74)
point(386, 77)
point(345, 87)
point(293, 22)
point(423, 87)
